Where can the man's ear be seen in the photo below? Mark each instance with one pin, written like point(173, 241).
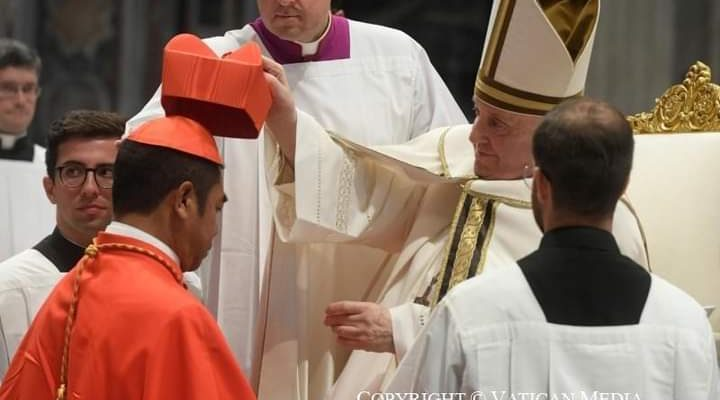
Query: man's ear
point(49, 186)
point(544, 188)
point(185, 200)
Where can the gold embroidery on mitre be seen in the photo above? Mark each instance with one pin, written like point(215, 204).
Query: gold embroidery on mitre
point(692, 106)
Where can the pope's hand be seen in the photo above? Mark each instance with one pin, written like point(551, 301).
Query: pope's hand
point(275, 77)
point(361, 325)
point(282, 117)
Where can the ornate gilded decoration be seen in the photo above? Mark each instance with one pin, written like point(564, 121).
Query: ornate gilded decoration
point(693, 106)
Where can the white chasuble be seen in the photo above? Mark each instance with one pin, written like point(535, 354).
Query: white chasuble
point(401, 200)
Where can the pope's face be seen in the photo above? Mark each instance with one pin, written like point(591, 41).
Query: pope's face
point(502, 141)
point(18, 97)
point(298, 20)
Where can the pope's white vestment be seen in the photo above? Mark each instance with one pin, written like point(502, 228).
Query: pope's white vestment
point(385, 92)
point(404, 201)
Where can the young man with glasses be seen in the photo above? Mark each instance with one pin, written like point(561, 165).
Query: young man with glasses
point(79, 162)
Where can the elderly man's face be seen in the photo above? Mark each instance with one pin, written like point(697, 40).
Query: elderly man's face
point(502, 141)
point(298, 20)
point(18, 97)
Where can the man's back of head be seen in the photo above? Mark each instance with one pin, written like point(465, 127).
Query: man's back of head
point(584, 148)
point(169, 192)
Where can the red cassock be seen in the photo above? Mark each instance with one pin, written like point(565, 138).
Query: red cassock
point(138, 334)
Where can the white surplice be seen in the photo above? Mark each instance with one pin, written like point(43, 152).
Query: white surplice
point(26, 279)
point(489, 339)
point(386, 92)
point(399, 199)
point(26, 215)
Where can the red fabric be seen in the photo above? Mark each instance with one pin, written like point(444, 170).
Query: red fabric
point(138, 335)
point(178, 133)
point(228, 94)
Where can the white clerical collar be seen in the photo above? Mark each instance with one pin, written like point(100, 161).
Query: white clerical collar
point(311, 48)
point(8, 140)
point(120, 228)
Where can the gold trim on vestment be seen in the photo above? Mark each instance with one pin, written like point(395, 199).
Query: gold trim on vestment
point(508, 201)
point(437, 280)
point(441, 152)
point(486, 242)
point(470, 230)
point(468, 241)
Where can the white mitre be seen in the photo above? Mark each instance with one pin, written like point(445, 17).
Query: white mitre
point(536, 53)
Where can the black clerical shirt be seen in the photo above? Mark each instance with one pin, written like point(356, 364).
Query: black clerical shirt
point(579, 277)
point(60, 251)
point(22, 150)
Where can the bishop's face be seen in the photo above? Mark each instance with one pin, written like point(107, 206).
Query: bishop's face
point(298, 20)
point(502, 141)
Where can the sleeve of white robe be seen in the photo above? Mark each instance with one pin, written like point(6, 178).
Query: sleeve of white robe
point(434, 105)
point(436, 361)
point(407, 321)
point(336, 195)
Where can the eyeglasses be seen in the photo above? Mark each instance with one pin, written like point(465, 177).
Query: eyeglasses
point(12, 89)
point(73, 175)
